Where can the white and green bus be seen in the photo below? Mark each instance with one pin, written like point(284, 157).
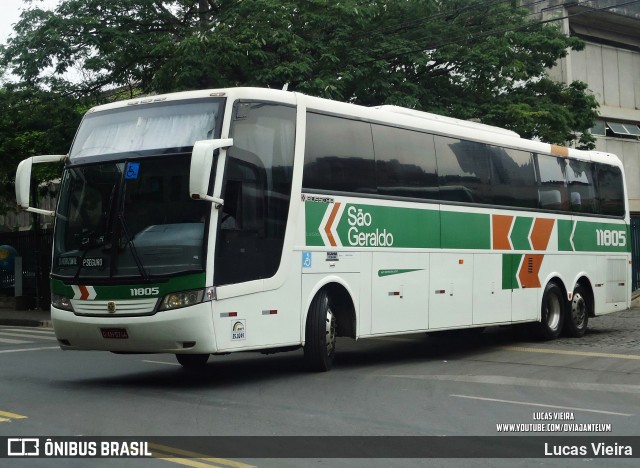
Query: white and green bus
point(216, 221)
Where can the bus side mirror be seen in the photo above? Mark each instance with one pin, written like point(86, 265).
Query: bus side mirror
point(200, 171)
point(23, 181)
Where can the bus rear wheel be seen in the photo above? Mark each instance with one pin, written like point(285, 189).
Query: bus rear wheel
point(552, 313)
point(577, 319)
point(192, 361)
point(320, 339)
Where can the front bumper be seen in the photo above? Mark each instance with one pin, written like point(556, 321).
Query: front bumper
point(185, 330)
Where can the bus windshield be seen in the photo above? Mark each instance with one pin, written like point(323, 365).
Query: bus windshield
point(129, 219)
point(124, 208)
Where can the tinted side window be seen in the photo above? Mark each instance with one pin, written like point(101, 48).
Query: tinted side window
point(610, 190)
point(405, 163)
point(514, 178)
point(582, 193)
point(463, 170)
point(552, 190)
point(338, 155)
point(256, 193)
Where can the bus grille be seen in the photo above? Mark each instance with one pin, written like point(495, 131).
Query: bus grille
point(115, 308)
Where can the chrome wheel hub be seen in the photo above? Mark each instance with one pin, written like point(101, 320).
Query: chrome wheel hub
point(330, 332)
point(578, 310)
point(553, 311)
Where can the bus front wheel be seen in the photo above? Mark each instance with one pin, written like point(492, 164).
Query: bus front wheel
point(552, 312)
point(192, 361)
point(575, 324)
point(320, 338)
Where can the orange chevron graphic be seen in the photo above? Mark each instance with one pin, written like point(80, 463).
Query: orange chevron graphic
point(541, 233)
point(501, 228)
point(327, 228)
point(529, 270)
point(84, 292)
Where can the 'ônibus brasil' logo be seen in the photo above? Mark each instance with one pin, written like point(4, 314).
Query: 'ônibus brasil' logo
point(361, 229)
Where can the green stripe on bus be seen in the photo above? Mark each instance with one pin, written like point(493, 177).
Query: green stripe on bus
point(313, 218)
point(510, 264)
point(465, 230)
point(382, 273)
point(384, 226)
point(520, 233)
point(588, 236)
point(58, 287)
point(360, 225)
point(103, 293)
point(565, 227)
point(601, 237)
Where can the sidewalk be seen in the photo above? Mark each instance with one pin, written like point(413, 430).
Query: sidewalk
point(25, 318)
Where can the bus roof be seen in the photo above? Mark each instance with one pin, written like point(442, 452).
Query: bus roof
point(386, 114)
point(451, 120)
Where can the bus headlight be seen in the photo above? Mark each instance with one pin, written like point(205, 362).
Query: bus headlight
point(61, 302)
point(177, 300)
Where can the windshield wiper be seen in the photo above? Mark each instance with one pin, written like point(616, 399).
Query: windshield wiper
point(125, 231)
point(132, 247)
point(109, 228)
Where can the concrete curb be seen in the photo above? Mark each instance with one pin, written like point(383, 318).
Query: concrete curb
point(26, 323)
point(26, 318)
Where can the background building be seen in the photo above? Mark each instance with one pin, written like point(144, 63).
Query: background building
point(610, 65)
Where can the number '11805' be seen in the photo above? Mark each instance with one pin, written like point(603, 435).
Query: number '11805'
point(608, 238)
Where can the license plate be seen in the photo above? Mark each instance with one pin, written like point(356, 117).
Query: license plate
point(114, 333)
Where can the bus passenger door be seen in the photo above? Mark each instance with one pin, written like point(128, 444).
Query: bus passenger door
point(450, 292)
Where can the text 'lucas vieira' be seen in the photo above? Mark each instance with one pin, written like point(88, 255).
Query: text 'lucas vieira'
point(599, 449)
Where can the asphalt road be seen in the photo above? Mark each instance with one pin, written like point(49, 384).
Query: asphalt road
point(498, 383)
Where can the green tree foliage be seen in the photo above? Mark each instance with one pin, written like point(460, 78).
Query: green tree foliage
point(481, 59)
point(33, 122)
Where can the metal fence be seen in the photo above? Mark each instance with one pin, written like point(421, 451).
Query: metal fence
point(35, 249)
point(635, 253)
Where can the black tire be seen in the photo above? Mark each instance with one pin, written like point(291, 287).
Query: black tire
point(577, 313)
point(192, 361)
point(552, 313)
point(320, 337)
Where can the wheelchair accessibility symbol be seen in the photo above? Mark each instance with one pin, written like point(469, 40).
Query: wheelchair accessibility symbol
point(131, 171)
point(306, 259)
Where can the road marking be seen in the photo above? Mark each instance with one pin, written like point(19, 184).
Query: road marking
point(11, 341)
point(27, 335)
point(44, 331)
point(522, 381)
point(162, 362)
point(569, 352)
point(526, 403)
point(5, 416)
point(28, 349)
point(164, 452)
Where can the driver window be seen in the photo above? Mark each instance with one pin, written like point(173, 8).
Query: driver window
point(256, 192)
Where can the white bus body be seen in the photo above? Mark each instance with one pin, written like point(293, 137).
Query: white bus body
point(346, 221)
